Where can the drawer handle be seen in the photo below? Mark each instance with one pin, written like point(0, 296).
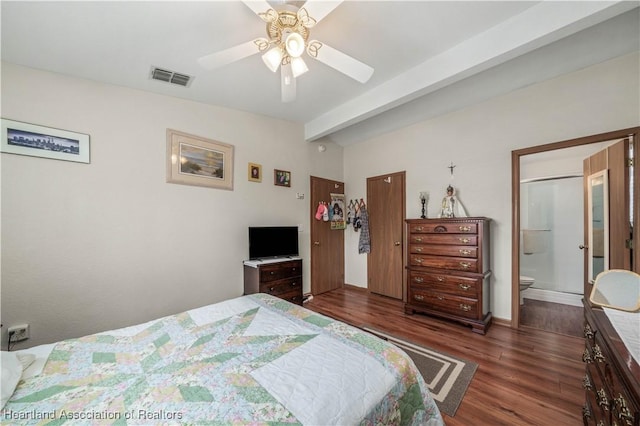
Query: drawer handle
point(464, 240)
point(417, 239)
point(586, 413)
point(440, 228)
point(294, 284)
point(271, 289)
point(418, 297)
point(465, 265)
point(623, 411)
point(601, 397)
point(465, 287)
point(586, 383)
point(440, 297)
point(588, 333)
point(465, 252)
point(419, 228)
point(597, 354)
point(417, 260)
point(418, 279)
point(465, 228)
point(419, 249)
point(465, 308)
point(272, 272)
point(441, 279)
point(586, 356)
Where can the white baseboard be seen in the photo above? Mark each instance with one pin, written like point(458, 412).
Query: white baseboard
point(554, 296)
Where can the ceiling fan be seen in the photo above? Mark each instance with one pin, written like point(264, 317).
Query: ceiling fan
point(288, 38)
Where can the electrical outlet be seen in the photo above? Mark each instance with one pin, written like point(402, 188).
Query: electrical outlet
point(20, 332)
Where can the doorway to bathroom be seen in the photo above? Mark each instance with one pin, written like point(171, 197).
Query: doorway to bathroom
point(544, 251)
point(551, 261)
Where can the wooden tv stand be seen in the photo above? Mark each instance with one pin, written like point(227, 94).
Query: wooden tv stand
point(278, 277)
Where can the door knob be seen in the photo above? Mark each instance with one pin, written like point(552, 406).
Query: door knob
point(397, 243)
point(582, 247)
point(316, 243)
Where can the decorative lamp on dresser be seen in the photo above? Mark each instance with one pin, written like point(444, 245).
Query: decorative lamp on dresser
point(280, 278)
point(448, 269)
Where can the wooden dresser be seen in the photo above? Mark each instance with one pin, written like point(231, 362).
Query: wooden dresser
point(612, 378)
point(448, 269)
point(282, 279)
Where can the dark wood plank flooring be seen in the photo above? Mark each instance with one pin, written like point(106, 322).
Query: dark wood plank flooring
point(524, 377)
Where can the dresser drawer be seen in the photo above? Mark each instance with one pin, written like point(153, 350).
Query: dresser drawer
point(441, 262)
point(598, 397)
point(443, 302)
point(461, 286)
point(292, 296)
point(275, 288)
point(443, 228)
point(446, 239)
point(279, 271)
point(442, 250)
point(623, 408)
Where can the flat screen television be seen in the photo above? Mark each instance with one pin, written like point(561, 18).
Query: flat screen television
point(273, 241)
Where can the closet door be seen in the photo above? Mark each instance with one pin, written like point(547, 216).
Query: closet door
point(327, 245)
point(615, 160)
point(386, 208)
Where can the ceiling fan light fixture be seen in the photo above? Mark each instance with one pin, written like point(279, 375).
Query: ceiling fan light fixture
point(294, 44)
point(298, 67)
point(272, 58)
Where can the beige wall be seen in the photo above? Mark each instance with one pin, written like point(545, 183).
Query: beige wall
point(89, 247)
point(92, 247)
point(479, 141)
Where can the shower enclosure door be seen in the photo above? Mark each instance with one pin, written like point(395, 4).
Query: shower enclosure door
point(550, 234)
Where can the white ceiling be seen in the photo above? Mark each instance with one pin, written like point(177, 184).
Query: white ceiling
point(429, 57)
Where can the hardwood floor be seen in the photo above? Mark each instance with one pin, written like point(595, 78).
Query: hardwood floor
point(524, 377)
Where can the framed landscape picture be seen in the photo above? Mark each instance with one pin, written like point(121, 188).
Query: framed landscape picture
point(194, 160)
point(46, 142)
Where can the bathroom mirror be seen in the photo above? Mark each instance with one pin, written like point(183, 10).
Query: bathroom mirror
point(618, 289)
point(598, 210)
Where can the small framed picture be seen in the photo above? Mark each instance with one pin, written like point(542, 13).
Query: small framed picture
point(39, 141)
point(281, 177)
point(194, 160)
point(255, 172)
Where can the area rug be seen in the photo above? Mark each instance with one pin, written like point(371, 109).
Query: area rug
point(446, 376)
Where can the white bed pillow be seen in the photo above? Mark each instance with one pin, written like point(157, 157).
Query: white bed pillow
point(11, 374)
point(25, 359)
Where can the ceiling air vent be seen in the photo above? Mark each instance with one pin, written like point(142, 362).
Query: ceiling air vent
point(170, 77)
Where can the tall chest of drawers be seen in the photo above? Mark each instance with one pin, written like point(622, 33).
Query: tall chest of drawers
point(612, 376)
point(448, 269)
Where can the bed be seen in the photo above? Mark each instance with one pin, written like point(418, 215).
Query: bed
point(252, 360)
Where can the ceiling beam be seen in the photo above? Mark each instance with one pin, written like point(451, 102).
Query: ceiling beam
point(542, 24)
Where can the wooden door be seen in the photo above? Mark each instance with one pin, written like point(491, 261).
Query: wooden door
point(327, 245)
point(614, 159)
point(386, 208)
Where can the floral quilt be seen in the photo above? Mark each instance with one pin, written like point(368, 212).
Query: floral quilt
point(253, 360)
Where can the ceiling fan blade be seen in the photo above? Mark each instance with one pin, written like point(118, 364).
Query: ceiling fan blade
point(340, 61)
point(287, 83)
point(313, 11)
point(232, 54)
point(262, 9)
